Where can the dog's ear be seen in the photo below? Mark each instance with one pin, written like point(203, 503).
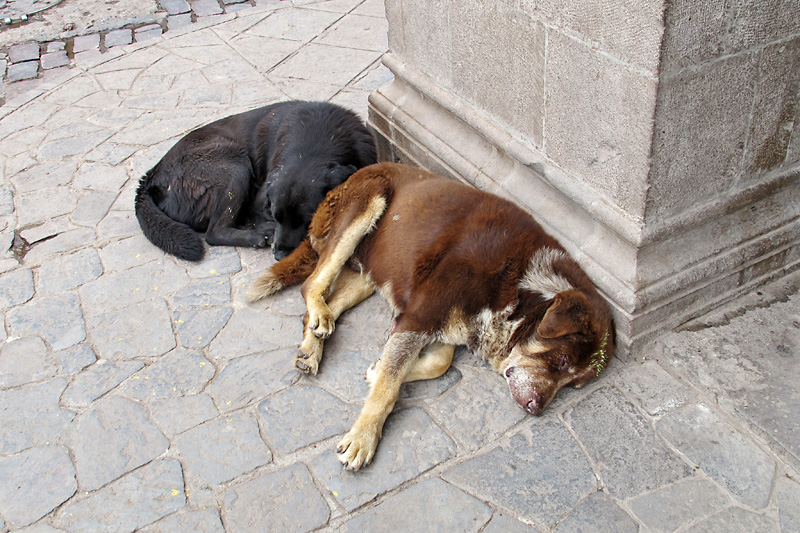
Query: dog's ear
point(339, 173)
point(567, 314)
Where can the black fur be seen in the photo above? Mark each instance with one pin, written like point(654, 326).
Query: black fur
point(246, 177)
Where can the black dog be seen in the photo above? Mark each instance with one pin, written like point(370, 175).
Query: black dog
point(246, 177)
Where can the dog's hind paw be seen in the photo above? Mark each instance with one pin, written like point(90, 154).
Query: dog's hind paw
point(305, 364)
point(357, 448)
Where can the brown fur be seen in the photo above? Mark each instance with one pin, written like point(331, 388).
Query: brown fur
point(458, 266)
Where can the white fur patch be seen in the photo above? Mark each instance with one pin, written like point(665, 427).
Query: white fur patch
point(541, 278)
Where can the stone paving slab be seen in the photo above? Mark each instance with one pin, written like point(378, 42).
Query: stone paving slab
point(153, 397)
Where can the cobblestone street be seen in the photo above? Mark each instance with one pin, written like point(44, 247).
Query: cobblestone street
point(142, 392)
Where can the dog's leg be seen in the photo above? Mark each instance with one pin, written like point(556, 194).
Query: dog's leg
point(349, 290)
point(320, 319)
point(433, 361)
point(357, 447)
point(221, 225)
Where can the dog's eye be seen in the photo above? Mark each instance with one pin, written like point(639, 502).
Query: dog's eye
point(564, 362)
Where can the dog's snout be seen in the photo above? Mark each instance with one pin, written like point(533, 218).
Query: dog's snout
point(535, 405)
point(280, 253)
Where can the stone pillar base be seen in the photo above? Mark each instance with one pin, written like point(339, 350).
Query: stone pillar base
point(655, 278)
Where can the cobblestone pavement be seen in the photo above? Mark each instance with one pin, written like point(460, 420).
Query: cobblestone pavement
point(140, 392)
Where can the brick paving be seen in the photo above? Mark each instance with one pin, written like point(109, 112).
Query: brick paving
point(141, 392)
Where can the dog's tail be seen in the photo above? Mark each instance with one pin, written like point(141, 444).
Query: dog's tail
point(291, 270)
point(171, 236)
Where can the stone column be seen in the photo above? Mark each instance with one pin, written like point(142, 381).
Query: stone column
point(658, 140)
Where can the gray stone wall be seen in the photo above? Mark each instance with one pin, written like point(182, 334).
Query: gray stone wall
point(655, 139)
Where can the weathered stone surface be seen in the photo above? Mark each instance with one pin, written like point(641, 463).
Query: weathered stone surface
point(478, 410)
point(671, 507)
point(788, 496)
point(112, 438)
point(444, 507)
point(131, 502)
point(22, 71)
point(31, 416)
point(139, 284)
point(721, 451)
point(502, 523)
point(430, 388)
point(58, 320)
point(198, 327)
point(547, 463)
point(411, 444)
point(252, 378)
point(23, 361)
point(118, 37)
point(175, 374)
point(74, 359)
point(16, 288)
point(23, 52)
point(744, 520)
point(98, 380)
point(219, 260)
point(222, 449)
point(92, 207)
point(34, 483)
point(128, 253)
point(176, 415)
point(141, 330)
point(86, 42)
point(204, 292)
point(69, 271)
point(197, 520)
point(249, 331)
point(294, 503)
point(629, 455)
point(302, 415)
point(598, 513)
point(54, 59)
point(658, 392)
point(175, 7)
point(61, 243)
point(204, 8)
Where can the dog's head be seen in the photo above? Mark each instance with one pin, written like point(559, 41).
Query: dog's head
point(293, 195)
point(571, 345)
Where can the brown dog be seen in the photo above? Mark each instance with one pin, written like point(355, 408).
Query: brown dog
point(458, 266)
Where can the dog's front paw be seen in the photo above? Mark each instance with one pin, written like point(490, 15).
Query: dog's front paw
point(306, 364)
point(357, 448)
point(321, 323)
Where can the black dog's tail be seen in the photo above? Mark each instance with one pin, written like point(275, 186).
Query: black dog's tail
point(171, 236)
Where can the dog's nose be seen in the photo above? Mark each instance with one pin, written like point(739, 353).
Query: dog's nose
point(509, 371)
point(535, 405)
point(279, 253)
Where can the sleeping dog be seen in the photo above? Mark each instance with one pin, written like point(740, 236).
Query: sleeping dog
point(246, 177)
point(458, 266)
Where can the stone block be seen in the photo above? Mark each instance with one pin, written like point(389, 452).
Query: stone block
point(129, 503)
point(112, 438)
point(369, 32)
point(92, 207)
point(420, 34)
point(198, 520)
point(147, 32)
point(176, 415)
point(444, 507)
point(672, 507)
point(693, 33)
point(598, 123)
point(97, 380)
point(34, 483)
point(118, 37)
point(720, 450)
point(222, 449)
point(294, 503)
point(24, 361)
point(539, 475)
point(31, 416)
point(55, 46)
point(658, 392)
point(685, 148)
point(16, 288)
point(302, 415)
point(175, 374)
point(511, 88)
point(411, 444)
point(752, 24)
point(58, 320)
point(629, 456)
point(141, 330)
point(744, 520)
point(178, 21)
point(69, 271)
point(196, 328)
point(204, 8)
point(175, 7)
point(326, 64)
point(788, 497)
point(53, 60)
point(83, 43)
point(23, 71)
point(598, 513)
point(251, 378)
point(23, 52)
point(74, 359)
point(774, 115)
